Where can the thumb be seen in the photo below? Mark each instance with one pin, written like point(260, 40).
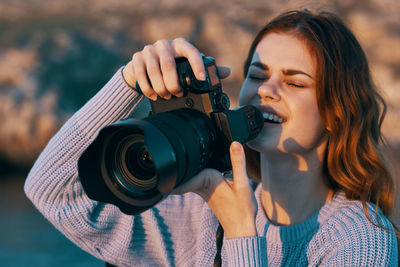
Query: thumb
point(238, 160)
point(224, 72)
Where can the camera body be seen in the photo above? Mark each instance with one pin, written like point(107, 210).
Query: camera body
point(205, 96)
point(208, 98)
point(136, 163)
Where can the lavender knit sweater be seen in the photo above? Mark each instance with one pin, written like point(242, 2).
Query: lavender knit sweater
point(180, 231)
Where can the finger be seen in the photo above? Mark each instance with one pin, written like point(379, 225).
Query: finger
point(128, 73)
point(193, 184)
point(187, 50)
point(238, 161)
point(168, 67)
point(141, 76)
point(153, 71)
point(202, 183)
point(224, 72)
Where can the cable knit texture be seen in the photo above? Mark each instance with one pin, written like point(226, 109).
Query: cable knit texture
point(180, 231)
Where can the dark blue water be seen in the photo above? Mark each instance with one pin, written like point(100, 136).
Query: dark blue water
point(27, 238)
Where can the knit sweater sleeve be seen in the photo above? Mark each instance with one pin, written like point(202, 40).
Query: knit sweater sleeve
point(246, 251)
point(352, 240)
point(54, 187)
point(53, 183)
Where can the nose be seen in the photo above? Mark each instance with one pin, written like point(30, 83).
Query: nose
point(269, 91)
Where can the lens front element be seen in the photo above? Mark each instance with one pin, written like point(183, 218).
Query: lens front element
point(133, 165)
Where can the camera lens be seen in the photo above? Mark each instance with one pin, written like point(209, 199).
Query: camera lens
point(139, 161)
point(133, 165)
point(142, 161)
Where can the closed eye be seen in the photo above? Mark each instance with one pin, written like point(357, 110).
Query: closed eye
point(296, 85)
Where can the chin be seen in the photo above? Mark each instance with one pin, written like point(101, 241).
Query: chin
point(263, 144)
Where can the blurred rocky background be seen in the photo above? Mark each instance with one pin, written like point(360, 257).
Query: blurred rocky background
point(55, 55)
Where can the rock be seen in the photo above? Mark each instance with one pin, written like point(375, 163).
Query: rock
point(54, 55)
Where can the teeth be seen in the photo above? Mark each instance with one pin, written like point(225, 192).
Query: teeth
point(272, 117)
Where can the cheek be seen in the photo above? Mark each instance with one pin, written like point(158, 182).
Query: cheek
point(306, 104)
point(245, 94)
point(307, 121)
point(242, 96)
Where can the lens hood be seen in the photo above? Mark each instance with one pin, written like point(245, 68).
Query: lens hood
point(97, 161)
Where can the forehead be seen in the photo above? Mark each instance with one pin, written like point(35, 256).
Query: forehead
point(285, 51)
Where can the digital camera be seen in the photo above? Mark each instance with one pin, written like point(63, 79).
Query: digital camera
point(136, 163)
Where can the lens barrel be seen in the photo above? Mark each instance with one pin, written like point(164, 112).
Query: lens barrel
point(142, 161)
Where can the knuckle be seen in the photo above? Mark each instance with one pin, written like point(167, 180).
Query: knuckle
point(139, 72)
point(152, 68)
point(148, 49)
point(168, 65)
point(136, 56)
point(151, 71)
point(208, 179)
point(180, 43)
point(180, 40)
point(161, 43)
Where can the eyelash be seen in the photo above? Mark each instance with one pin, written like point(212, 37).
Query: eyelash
point(251, 77)
point(295, 85)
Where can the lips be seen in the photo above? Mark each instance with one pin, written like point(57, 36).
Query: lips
point(271, 115)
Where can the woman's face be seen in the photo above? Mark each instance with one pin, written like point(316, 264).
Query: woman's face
point(281, 82)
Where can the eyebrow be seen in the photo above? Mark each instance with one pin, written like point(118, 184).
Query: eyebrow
point(289, 72)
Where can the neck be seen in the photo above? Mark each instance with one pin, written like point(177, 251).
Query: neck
point(293, 186)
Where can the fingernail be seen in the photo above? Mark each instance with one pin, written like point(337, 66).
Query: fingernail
point(202, 76)
point(236, 147)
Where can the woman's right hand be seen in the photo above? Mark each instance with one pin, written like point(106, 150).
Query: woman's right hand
point(157, 62)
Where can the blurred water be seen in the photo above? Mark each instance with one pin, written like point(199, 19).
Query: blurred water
point(27, 238)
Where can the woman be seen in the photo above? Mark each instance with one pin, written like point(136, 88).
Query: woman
point(324, 190)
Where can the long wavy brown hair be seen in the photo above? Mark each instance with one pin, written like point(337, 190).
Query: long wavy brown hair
point(349, 105)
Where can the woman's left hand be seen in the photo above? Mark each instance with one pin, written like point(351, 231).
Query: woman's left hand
point(233, 202)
